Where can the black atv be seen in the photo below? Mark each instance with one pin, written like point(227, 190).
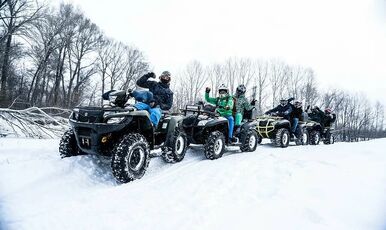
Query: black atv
point(278, 130)
point(204, 126)
point(319, 133)
point(124, 134)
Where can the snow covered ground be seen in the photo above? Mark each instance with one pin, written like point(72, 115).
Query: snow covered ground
point(342, 186)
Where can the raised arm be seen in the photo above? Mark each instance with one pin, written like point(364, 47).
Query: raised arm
point(209, 99)
point(144, 81)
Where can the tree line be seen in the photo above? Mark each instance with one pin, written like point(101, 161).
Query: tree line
point(268, 81)
point(59, 57)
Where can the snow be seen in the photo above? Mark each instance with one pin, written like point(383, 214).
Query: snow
point(341, 186)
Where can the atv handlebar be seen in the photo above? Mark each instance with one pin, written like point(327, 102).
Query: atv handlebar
point(200, 112)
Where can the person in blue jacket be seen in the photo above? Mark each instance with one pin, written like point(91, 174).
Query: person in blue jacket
point(162, 95)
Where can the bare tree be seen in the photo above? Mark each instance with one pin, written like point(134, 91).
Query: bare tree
point(16, 16)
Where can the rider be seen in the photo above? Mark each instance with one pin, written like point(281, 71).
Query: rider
point(284, 109)
point(296, 116)
point(162, 95)
point(316, 115)
point(224, 104)
point(329, 117)
point(242, 104)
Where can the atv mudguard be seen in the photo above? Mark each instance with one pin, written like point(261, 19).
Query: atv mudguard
point(173, 122)
point(282, 124)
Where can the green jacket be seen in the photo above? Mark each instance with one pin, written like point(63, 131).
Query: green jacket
point(221, 103)
point(241, 104)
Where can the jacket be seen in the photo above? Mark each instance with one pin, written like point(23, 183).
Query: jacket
point(162, 94)
point(221, 104)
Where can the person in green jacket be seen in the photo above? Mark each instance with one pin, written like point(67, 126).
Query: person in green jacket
point(242, 104)
point(224, 104)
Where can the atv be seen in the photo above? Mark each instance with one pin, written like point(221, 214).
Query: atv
point(124, 134)
point(319, 133)
point(203, 126)
point(278, 130)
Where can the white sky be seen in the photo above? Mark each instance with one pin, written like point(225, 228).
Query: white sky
point(344, 41)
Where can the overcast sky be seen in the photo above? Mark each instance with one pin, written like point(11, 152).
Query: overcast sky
point(344, 41)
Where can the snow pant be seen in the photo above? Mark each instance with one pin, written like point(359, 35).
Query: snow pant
point(238, 119)
point(155, 113)
point(144, 96)
point(231, 125)
point(295, 123)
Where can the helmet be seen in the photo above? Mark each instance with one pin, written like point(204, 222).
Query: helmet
point(283, 102)
point(240, 90)
point(223, 89)
point(298, 104)
point(328, 110)
point(165, 77)
point(315, 108)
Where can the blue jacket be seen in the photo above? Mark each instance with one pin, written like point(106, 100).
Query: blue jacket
point(162, 95)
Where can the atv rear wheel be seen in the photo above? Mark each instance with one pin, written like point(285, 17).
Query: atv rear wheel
point(249, 140)
point(68, 146)
point(215, 145)
point(314, 137)
point(176, 151)
point(131, 158)
point(282, 138)
point(303, 139)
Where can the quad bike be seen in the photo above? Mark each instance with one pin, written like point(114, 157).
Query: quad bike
point(278, 130)
point(203, 126)
point(124, 134)
point(319, 133)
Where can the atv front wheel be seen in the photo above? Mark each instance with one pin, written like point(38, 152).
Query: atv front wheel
point(314, 137)
point(68, 146)
point(131, 158)
point(176, 152)
point(303, 139)
point(282, 138)
point(215, 145)
point(330, 139)
point(249, 140)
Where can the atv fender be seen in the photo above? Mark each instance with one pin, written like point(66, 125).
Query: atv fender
point(175, 122)
point(282, 124)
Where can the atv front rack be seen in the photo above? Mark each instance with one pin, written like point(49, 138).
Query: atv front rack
point(265, 130)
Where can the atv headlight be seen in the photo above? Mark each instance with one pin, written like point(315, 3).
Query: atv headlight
point(202, 123)
point(115, 120)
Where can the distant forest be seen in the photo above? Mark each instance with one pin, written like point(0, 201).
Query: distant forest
point(57, 57)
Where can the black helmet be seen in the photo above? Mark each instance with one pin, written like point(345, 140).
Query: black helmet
point(298, 104)
point(165, 77)
point(240, 90)
point(283, 102)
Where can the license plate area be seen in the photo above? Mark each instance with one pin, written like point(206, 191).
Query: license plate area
point(85, 142)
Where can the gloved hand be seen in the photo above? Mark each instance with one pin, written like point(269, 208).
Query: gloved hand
point(207, 90)
point(253, 102)
point(151, 75)
point(129, 92)
point(286, 113)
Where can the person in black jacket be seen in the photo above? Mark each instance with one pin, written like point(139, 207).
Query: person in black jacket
point(162, 95)
point(296, 116)
point(316, 114)
point(284, 109)
point(329, 117)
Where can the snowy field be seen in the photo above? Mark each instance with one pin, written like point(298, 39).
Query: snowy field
point(342, 186)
